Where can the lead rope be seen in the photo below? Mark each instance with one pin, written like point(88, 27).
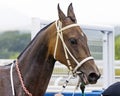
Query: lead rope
point(76, 87)
point(82, 87)
point(66, 83)
point(20, 78)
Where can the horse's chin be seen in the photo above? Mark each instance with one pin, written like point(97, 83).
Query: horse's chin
point(84, 79)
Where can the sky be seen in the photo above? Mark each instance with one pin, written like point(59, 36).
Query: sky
point(16, 13)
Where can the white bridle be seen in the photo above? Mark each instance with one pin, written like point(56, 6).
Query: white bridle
point(66, 50)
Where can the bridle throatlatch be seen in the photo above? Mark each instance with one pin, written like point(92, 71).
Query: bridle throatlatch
point(74, 71)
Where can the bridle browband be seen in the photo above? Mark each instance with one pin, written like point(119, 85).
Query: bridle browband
point(66, 50)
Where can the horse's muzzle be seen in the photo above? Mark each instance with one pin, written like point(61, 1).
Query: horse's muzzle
point(93, 77)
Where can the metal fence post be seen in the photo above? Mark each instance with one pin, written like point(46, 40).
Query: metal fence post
point(108, 58)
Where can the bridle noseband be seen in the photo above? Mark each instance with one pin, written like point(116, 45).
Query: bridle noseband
point(66, 50)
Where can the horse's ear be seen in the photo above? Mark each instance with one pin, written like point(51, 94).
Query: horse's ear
point(61, 14)
point(70, 13)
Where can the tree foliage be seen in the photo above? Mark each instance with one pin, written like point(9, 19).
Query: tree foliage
point(117, 47)
point(12, 43)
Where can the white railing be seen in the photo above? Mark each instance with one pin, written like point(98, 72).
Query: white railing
point(5, 61)
point(60, 74)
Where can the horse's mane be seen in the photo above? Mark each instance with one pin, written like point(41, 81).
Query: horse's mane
point(35, 37)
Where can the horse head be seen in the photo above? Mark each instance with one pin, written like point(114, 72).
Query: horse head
point(71, 48)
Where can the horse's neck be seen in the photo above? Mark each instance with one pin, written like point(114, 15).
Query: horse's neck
point(36, 65)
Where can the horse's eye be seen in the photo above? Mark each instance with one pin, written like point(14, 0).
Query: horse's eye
point(73, 41)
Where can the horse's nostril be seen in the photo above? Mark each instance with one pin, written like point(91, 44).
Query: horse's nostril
point(93, 77)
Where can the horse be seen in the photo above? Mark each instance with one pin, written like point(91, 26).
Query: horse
point(62, 40)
